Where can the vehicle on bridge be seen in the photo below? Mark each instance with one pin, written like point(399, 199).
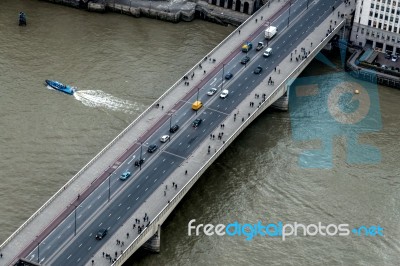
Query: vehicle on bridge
point(228, 75)
point(164, 138)
point(260, 45)
point(197, 122)
point(224, 94)
point(197, 105)
point(267, 52)
point(174, 128)
point(152, 148)
point(270, 32)
point(125, 175)
point(247, 47)
point(212, 91)
point(245, 60)
point(258, 70)
point(101, 234)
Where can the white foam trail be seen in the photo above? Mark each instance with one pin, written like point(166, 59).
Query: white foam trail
point(98, 98)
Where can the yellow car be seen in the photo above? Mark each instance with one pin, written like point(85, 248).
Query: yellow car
point(197, 105)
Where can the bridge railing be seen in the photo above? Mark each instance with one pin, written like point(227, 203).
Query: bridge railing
point(276, 94)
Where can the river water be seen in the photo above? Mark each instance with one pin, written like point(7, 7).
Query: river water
point(121, 65)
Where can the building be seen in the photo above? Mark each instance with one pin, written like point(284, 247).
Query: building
point(376, 25)
point(244, 6)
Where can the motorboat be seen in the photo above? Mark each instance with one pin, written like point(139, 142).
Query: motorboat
point(60, 87)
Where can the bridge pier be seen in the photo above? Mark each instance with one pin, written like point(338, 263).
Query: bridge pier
point(154, 243)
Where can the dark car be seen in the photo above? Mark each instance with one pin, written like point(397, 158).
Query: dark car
point(229, 75)
point(152, 148)
point(174, 128)
point(245, 60)
point(139, 162)
point(388, 56)
point(258, 70)
point(101, 234)
point(197, 122)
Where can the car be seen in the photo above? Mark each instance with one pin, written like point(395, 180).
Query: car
point(125, 175)
point(394, 58)
point(228, 75)
point(197, 122)
point(174, 128)
point(245, 60)
point(224, 94)
point(139, 162)
point(258, 70)
point(197, 105)
point(212, 91)
point(384, 67)
point(164, 138)
point(388, 56)
point(101, 234)
point(152, 148)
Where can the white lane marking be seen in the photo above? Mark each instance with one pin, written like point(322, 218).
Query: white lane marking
point(172, 162)
point(100, 224)
point(89, 206)
point(147, 177)
point(137, 198)
point(128, 208)
point(138, 186)
point(89, 248)
point(80, 245)
point(163, 171)
point(155, 169)
point(109, 215)
point(129, 195)
point(163, 160)
point(69, 256)
point(119, 204)
point(99, 197)
point(146, 189)
point(119, 218)
point(133, 158)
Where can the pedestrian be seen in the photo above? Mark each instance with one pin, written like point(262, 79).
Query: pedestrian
point(122, 244)
point(165, 193)
point(103, 254)
point(186, 172)
point(173, 183)
point(256, 20)
point(166, 186)
point(295, 51)
point(204, 72)
point(116, 253)
point(127, 236)
point(92, 262)
point(275, 69)
point(279, 71)
point(242, 119)
point(213, 136)
point(162, 107)
point(176, 186)
point(133, 226)
point(239, 34)
point(262, 17)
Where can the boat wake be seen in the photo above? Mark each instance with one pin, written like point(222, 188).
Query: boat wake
point(98, 98)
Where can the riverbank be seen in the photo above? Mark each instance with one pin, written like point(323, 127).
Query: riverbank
point(171, 11)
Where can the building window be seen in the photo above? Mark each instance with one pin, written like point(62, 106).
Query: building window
point(369, 22)
point(372, 5)
point(381, 16)
point(395, 29)
point(396, 20)
point(391, 19)
point(390, 27)
point(380, 25)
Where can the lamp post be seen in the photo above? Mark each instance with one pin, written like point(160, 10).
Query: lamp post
point(109, 186)
point(222, 84)
point(140, 159)
point(288, 19)
point(38, 253)
point(75, 222)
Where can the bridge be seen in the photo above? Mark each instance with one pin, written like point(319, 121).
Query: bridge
point(62, 231)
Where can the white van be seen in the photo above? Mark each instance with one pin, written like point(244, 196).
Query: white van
point(267, 52)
